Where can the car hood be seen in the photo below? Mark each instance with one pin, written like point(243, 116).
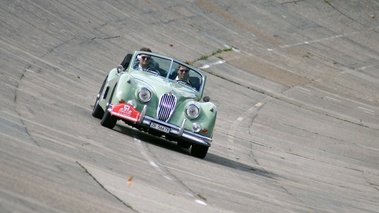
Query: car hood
point(160, 85)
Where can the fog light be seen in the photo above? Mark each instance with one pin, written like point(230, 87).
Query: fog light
point(196, 127)
point(133, 103)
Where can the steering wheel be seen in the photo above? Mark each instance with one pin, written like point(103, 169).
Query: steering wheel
point(184, 82)
point(152, 71)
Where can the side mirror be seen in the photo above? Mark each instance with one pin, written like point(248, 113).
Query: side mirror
point(120, 68)
point(206, 98)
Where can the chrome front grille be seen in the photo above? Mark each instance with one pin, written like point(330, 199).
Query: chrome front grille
point(166, 106)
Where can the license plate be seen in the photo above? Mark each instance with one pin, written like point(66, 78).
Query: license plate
point(160, 127)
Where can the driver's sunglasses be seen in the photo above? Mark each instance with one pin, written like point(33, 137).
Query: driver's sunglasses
point(186, 71)
point(145, 58)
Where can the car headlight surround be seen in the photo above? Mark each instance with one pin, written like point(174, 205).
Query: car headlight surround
point(192, 111)
point(144, 95)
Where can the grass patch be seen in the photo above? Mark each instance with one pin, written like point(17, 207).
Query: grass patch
point(219, 51)
point(307, 55)
point(202, 197)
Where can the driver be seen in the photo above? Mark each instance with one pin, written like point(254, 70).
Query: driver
point(183, 74)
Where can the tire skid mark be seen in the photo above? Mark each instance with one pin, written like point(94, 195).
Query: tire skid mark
point(304, 90)
point(150, 160)
point(234, 126)
point(47, 130)
point(333, 99)
point(35, 58)
point(295, 102)
point(320, 110)
point(12, 120)
point(366, 110)
point(165, 173)
point(51, 90)
point(73, 143)
point(22, 85)
point(336, 98)
point(70, 80)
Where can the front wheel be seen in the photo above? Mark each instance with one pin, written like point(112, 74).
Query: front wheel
point(97, 111)
point(108, 120)
point(199, 151)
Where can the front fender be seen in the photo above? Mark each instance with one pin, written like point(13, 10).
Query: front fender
point(124, 89)
point(206, 119)
point(113, 74)
point(127, 90)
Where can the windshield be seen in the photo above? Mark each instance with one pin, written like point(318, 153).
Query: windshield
point(168, 68)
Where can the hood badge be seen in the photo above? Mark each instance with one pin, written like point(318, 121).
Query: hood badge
point(170, 93)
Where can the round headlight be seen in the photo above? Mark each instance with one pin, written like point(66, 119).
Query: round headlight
point(192, 111)
point(144, 95)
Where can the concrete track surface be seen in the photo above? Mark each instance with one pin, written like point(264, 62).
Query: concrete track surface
point(296, 83)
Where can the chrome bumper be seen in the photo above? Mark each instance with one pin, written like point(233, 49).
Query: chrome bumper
point(176, 131)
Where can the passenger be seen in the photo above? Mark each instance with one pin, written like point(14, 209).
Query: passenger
point(183, 74)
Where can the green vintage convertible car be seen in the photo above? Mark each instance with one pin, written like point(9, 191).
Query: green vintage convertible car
point(161, 96)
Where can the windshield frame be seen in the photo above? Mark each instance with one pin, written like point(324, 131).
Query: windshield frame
point(170, 66)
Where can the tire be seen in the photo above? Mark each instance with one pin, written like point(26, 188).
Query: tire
point(199, 151)
point(184, 144)
point(108, 120)
point(97, 111)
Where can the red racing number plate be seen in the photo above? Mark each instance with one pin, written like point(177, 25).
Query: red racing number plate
point(125, 111)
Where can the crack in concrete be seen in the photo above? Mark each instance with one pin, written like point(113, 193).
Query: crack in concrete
point(344, 14)
point(104, 38)
point(165, 171)
point(103, 187)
